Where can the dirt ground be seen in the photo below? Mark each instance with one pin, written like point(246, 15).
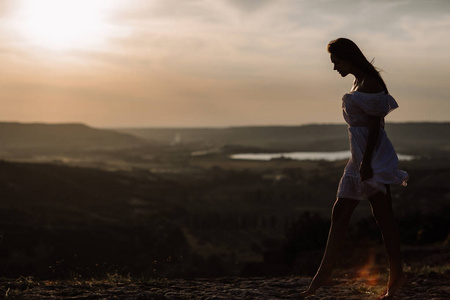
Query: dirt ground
point(418, 288)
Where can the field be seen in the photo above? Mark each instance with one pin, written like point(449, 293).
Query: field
point(139, 214)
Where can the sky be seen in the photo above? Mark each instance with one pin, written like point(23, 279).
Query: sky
point(214, 63)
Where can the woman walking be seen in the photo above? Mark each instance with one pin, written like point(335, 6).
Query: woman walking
point(371, 168)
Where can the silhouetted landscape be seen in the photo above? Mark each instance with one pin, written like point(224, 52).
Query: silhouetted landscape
point(142, 205)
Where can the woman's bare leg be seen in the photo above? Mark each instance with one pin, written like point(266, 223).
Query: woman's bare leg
point(382, 211)
point(340, 218)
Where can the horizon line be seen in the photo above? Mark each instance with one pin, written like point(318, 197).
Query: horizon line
point(206, 126)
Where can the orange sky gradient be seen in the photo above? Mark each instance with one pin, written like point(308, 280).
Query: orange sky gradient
point(214, 63)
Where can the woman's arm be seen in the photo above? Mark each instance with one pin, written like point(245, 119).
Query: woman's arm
point(365, 169)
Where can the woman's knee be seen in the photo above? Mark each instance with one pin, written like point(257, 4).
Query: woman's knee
point(381, 206)
point(343, 209)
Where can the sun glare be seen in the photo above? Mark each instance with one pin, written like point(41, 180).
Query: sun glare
point(63, 24)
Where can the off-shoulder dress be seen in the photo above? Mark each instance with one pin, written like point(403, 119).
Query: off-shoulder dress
point(357, 107)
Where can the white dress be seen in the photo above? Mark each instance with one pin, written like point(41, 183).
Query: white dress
point(357, 107)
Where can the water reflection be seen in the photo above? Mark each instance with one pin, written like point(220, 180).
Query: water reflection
point(328, 156)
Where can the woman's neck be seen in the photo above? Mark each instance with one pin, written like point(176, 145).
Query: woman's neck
point(359, 79)
point(359, 75)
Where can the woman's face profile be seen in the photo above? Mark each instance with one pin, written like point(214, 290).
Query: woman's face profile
point(343, 67)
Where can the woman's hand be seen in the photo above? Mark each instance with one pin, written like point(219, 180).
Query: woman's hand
point(365, 171)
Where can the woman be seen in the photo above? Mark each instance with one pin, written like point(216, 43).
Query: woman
point(371, 168)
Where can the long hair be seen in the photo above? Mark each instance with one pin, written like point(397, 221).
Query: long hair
point(346, 49)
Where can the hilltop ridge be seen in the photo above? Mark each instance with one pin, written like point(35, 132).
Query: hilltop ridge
point(409, 138)
point(61, 137)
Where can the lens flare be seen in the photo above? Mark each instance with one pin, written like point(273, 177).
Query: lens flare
point(367, 272)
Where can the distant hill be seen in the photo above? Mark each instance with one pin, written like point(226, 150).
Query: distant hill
point(420, 137)
point(265, 137)
point(61, 137)
point(406, 137)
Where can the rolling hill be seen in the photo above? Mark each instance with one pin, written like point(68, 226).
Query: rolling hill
point(51, 138)
point(409, 138)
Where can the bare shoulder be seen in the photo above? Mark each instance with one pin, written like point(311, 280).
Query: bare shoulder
point(370, 85)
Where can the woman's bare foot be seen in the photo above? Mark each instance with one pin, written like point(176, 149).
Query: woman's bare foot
point(316, 283)
point(394, 286)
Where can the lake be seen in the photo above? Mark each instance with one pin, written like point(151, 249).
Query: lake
point(328, 156)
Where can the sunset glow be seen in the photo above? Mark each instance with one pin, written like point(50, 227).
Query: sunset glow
point(62, 25)
point(214, 63)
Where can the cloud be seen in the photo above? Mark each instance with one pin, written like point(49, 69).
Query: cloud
point(160, 12)
point(250, 6)
point(230, 62)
